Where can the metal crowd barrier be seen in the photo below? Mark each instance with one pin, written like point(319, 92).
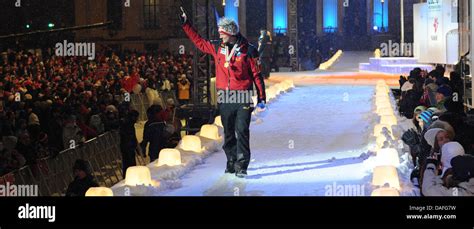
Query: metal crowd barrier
point(53, 174)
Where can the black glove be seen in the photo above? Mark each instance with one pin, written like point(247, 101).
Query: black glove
point(411, 138)
point(432, 161)
point(416, 150)
point(415, 174)
point(182, 15)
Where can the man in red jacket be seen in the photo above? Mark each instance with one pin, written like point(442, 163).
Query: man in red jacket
point(237, 71)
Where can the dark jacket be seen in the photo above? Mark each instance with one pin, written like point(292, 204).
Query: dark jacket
point(79, 187)
point(154, 133)
point(128, 137)
point(409, 102)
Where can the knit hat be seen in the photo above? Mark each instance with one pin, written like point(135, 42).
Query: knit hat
point(449, 151)
point(426, 117)
point(463, 167)
point(430, 135)
point(445, 126)
point(445, 90)
point(228, 27)
point(420, 109)
point(434, 110)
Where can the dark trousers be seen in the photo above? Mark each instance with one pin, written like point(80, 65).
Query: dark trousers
point(128, 160)
point(236, 121)
point(266, 67)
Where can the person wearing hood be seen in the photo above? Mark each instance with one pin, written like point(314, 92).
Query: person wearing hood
point(83, 179)
point(436, 138)
point(449, 151)
point(431, 140)
point(237, 71)
point(460, 181)
point(443, 94)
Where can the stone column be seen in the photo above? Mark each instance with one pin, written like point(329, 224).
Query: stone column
point(319, 17)
point(270, 16)
point(370, 16)
point(340, 16)
point(243, 17)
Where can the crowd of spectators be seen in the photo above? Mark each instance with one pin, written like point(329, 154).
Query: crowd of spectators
point(442, 142)
point(50, 103)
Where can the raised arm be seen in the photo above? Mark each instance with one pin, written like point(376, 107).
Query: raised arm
point(202, 44)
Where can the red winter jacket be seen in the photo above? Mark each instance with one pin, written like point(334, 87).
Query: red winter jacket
point(243, 71)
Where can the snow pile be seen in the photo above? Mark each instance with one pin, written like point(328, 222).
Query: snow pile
point(166, 177)
point(308, 145)
point(387, 149)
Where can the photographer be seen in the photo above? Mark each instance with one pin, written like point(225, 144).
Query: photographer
point(459, 182)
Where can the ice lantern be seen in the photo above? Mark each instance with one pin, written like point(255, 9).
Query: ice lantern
point(99, 191)
point(191, 143)
point(289, 84)
point(138, 175)
point(382, 102)
point(210, 131)
point(385, 112)
point(380, 127)
point(382, 99)
point(380, 141)
point(385, 192)
point(384, 107)
point(169, 157)
point(218, 121)
point(382, 90)
point(388, 156)
point(390, 120)
point(386, 175)
point(271, 93)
